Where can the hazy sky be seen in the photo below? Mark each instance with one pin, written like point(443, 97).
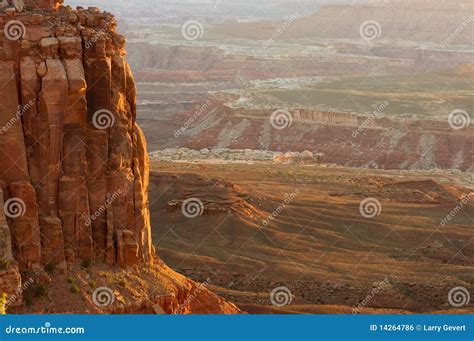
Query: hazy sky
point(237, 8)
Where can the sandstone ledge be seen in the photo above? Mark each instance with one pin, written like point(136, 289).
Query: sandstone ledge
point(152, 289)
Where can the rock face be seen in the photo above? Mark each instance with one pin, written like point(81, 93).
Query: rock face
point(371, 140)
point(74, 167)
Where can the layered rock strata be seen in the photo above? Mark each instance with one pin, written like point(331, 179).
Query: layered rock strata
point(74, 168)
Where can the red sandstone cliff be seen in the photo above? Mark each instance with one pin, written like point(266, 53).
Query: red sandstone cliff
point(74, 166)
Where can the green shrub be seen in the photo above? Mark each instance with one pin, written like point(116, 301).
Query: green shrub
point(75, 289)
point(40, 290)
point(34, 292)
point(50, 268)
point(4, 264)
point(86, 263)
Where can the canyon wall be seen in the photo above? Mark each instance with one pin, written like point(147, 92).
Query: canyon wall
point(379, 140)
point(74, 167)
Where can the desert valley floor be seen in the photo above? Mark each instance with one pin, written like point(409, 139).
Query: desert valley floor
point(318, 244)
